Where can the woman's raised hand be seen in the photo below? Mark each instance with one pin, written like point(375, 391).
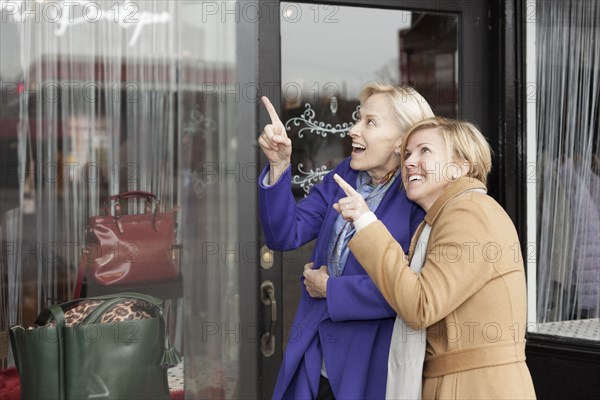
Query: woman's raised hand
point(275, 143)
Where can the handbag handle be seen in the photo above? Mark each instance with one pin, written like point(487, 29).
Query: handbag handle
point(129, 195)
point(46, 314)
point(56, 312)
point(95, 316)
point(132, 195)
point(59, 316)
point(52, 312)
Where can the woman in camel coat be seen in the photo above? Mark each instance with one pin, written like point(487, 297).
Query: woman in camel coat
point(470, 294)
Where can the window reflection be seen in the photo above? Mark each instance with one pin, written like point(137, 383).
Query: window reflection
point(326, 58)
point(324, 65)
point(91, 108)
point(567, 168)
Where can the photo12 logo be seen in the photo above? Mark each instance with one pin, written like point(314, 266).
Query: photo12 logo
point(267, 11)
point(67, 14)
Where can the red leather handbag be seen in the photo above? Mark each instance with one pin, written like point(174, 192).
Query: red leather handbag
point(130, 250)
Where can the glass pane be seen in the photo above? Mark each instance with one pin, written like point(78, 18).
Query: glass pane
point(326, 58)
point(208, 124)
point(104, 97)
point(568, 166)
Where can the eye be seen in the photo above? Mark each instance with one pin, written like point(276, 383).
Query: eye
point(425, 149)
point(370, 122)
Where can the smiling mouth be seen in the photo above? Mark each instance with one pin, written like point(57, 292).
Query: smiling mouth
point(358, 148)
point(415, 178)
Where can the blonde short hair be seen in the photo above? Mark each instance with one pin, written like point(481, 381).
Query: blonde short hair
point(409, 106)
point(464, 143)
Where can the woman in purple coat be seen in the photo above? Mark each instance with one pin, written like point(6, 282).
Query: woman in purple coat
point(344, 324)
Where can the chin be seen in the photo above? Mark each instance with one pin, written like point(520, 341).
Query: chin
point(355, 165)
point(411, 195)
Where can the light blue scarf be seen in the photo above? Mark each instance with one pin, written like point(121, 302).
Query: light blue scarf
point(343, 231)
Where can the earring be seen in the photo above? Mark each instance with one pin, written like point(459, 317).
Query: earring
point(397, 151)
point(454, 177)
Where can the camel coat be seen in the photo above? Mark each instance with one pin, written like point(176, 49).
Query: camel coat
point(470, 295)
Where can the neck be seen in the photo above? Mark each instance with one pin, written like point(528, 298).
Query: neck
point(376, 178)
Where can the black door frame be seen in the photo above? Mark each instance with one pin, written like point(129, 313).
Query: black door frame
point(492, 97)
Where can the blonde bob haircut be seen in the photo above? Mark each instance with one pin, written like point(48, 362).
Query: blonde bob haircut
point(409, 106)
point(464, 144)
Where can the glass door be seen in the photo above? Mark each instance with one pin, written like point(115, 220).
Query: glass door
point(321, 83)
point(327, 53)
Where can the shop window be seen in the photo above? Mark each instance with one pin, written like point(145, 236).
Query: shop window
point(103, 97)
point(568, 168)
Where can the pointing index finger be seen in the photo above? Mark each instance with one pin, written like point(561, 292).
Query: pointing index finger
point(271, 110)
point(349, 190)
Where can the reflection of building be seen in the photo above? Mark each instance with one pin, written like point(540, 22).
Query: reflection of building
point(428, 60)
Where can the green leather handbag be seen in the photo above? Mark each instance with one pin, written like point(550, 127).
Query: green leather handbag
point(92, 359)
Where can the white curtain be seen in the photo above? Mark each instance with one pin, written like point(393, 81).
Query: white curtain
point(111, 96)
point(209, 97)
point(96, 116)
point(568, 98)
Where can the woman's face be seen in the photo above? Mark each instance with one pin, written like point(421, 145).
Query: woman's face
point(427, 169)
point(374, 136)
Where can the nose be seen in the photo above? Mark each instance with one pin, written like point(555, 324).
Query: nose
point(409, 163)
point(355, 130)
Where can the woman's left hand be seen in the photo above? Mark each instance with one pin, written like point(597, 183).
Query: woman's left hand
point(315, 281)
point(352, 207)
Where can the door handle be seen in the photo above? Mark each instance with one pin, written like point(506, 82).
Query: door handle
point(267, 297)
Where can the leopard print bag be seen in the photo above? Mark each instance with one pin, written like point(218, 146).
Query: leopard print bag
point(92, 347)
point(126, 310)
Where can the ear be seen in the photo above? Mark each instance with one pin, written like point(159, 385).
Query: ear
point(461, 168)
point(465, 167)
point(398, 143)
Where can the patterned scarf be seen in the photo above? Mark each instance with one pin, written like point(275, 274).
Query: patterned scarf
point(343, 230)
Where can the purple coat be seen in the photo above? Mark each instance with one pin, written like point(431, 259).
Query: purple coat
point(352, 327)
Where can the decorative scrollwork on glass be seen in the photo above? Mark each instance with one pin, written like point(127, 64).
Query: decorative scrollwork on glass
point(307, 179)
point(320, 128)
point(198, 123)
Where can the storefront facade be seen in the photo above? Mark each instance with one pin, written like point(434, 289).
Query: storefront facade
point(104, 97)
